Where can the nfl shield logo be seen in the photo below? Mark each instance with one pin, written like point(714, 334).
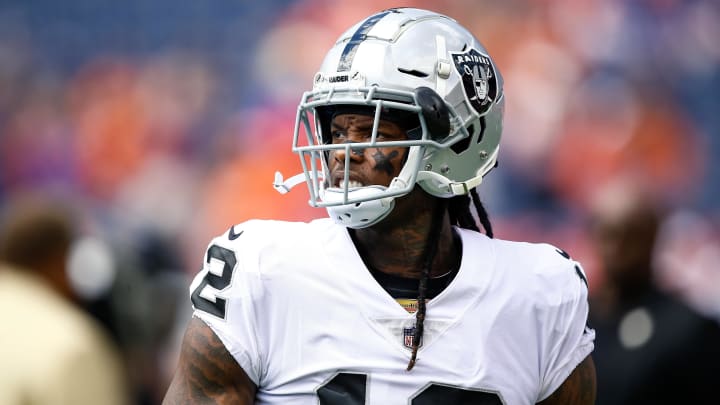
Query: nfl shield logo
point(409, 337)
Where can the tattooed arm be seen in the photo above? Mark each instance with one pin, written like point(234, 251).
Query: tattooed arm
point(578, 389)
point(207, 373)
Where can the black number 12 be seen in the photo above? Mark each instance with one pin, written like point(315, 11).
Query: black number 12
point(350, 389)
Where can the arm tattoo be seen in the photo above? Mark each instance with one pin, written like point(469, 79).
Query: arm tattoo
point(578, 389)
point(207, 373)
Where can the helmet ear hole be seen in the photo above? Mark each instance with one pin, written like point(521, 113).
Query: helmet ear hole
point(324, 115)
point(435, 112)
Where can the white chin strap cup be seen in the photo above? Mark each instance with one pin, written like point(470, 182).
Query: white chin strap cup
point(360, 214)
point(353, 215)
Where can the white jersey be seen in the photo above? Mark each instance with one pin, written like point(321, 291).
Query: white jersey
point(299, 311)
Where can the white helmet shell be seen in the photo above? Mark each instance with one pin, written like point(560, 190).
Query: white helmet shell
point(415, 61)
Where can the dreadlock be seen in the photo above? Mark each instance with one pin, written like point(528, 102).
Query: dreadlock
point(459, 211)
point(482, 213)
point(430, 251)
point(460, 215)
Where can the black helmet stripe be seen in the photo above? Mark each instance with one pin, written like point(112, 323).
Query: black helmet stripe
point(351, 47)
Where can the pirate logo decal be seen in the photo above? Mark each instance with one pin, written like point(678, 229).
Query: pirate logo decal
point(478, 78)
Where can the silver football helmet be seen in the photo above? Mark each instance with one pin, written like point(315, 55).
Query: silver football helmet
point(410, 61)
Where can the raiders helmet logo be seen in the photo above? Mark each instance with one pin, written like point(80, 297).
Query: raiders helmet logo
point(478, 78)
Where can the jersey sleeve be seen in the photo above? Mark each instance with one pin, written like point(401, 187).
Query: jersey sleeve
point(567, 340)
point(225, 295)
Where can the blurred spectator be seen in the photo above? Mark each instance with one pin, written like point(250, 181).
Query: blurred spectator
point(651, 348)
point(52, 351)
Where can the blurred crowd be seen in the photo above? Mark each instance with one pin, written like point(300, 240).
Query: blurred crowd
point(162, 123)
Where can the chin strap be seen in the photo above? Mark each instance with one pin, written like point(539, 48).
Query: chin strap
point(283, 186)
point(355, 215)
point(463, 188)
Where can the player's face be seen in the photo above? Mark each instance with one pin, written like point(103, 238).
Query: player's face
point(369, 166)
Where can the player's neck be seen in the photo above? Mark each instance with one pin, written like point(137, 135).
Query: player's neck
point(398, 247)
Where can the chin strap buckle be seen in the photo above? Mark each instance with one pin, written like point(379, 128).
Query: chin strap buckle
point(462, 188)
point(283, 186)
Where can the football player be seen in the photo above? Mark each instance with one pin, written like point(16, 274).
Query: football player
point(398, 297)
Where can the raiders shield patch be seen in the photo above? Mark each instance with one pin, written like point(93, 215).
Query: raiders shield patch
point(478, 78)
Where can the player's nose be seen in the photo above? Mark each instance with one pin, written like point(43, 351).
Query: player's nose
point(356, 154)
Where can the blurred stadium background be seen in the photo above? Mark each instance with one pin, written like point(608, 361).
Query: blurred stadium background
point(164, 122)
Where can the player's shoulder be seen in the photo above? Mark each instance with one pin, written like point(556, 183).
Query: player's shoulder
point(542, 268)
point(259, 233)
point(531, 254)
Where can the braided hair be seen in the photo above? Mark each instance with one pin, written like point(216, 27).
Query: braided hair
point(458, 208)
point(460, 215)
